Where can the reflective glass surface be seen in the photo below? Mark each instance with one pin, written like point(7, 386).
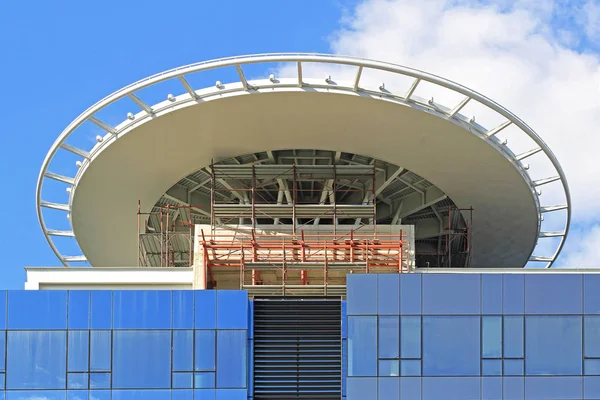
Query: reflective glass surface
point(506, 336)
point(127, 345)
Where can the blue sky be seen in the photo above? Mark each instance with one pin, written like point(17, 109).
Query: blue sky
point(58, 58)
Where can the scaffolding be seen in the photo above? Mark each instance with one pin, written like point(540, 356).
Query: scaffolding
point(172, 245)
point(314, 264)
point(301, 206)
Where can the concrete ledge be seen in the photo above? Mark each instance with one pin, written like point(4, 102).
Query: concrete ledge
point(61, 278)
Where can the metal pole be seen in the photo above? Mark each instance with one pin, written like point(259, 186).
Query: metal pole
point(161, 235)
point(333, 189)
point(253, 197)
point(138, 234)
point(167, 237)
point(374, 199)
point(212, 196)
point(294, 201)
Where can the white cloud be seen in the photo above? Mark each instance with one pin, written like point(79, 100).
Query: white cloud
point(509, 52)
point(583, 251)
point(591, 12)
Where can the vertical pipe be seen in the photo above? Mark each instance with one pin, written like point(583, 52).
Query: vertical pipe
point(333, 190)
point(374, 198)
point(212, 195)
point(139, 233)
point(253, 197)
point(294, 200)
point(167, 247)
point(161, 235)
point(325, 271)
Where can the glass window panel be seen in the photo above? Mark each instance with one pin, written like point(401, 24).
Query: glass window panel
point(513, 388)
point(77, 394)
point(37, 309)
point(232, 309)
point(183, 394)
point(455, 388)
point(451, 294)
point(491, 293)
point(513, 367)
point(183, 380)
point(388, 388)
point(141, 359)
point(591, 387)
point(389, 368)
point(79, 309)
point(388, 292)
point(591, 366)
point(491, 333)
point(2, 309)
point(361, 388)
point(491, 367)
point(206, 309)
point(141, 395)
point(100, 309)
point(410, 293)
point(183, 309)
point(591, 293)
point(230, 394)
point(183, 350)
point(77, 380)
point(36, 360)
point(344, 365)
point(553, 345)
point(513, 294)
point(204, 394)
point(2, 379)
point(205, 350)
point(451, 346)
point(389, 337)
point(410, 368)
point(591, 336)
point(78, 351)
point(142, 309)
point(99, 394)
point(251, 319)
point(100, 380)
point(362, 346)
point(491, 388)
point(344, 320)
point(553, 294)
point(362, 294)
point(553, 388)
point(410, 388)
point(2, 350)
point(204, 380)
point(100, 350)
point(36, 395)
point(513, 337)
point(231, 359)
point(410, 337)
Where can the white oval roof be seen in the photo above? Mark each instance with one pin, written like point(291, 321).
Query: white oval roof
point(141, 158)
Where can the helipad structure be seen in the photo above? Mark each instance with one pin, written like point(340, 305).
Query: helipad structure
point(301, 226)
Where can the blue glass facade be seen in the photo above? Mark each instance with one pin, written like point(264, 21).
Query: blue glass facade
point(124, 345)
point(486, 336)
point(415, 336)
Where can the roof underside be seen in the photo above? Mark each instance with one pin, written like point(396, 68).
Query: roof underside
point(438, 158)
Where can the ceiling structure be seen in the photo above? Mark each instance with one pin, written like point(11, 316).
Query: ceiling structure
point(403, 197)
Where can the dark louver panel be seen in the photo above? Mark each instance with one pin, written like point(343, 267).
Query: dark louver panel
point(297, 349)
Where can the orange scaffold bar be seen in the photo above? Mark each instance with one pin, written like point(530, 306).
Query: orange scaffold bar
point(245, 249)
